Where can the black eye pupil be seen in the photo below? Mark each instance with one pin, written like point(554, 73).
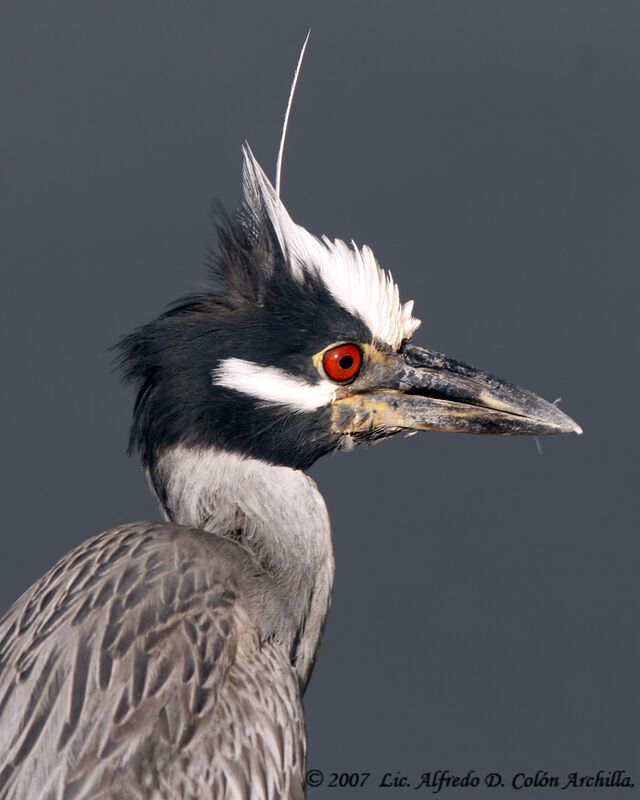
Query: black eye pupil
point(346, 362)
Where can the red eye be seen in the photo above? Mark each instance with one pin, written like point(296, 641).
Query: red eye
point(342, 362)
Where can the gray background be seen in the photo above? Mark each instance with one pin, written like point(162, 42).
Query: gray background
point(485, 599)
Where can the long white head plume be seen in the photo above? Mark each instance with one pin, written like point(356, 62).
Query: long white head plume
point(292, 91)
point(351, 274)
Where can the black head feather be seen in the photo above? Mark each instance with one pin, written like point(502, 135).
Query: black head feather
point(257, 311)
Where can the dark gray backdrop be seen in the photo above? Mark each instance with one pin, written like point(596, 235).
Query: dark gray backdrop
point(485, 599)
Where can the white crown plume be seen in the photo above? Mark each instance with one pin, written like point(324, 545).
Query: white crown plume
point(351, 274)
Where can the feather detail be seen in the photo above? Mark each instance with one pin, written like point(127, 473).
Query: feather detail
point(351, 274)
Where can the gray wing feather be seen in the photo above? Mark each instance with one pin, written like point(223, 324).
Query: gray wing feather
point(135, 669)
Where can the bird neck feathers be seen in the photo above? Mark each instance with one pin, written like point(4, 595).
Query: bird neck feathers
point(277, 513)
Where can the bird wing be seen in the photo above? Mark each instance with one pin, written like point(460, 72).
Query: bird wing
point(133, 669)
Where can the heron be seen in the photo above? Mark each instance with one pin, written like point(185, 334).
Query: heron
point(168, 659)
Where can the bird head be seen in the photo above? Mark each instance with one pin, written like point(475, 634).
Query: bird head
point(302, 348)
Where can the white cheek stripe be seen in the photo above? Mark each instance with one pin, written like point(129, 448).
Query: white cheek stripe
point(271, 384)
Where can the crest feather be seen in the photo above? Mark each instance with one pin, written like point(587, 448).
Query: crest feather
point(351, 274)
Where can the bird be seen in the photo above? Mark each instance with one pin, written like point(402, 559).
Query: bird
point(168, 659)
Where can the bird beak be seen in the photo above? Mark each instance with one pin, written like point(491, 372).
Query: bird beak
point(417, 389)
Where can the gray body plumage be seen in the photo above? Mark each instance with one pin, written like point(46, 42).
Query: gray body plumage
point(136, 667)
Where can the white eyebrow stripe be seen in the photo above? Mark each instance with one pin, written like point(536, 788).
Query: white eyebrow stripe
point(271, 384)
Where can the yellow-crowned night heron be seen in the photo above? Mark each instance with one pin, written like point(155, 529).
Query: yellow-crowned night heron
point(167, 660)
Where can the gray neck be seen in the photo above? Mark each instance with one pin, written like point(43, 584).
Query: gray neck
point(277, 513)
